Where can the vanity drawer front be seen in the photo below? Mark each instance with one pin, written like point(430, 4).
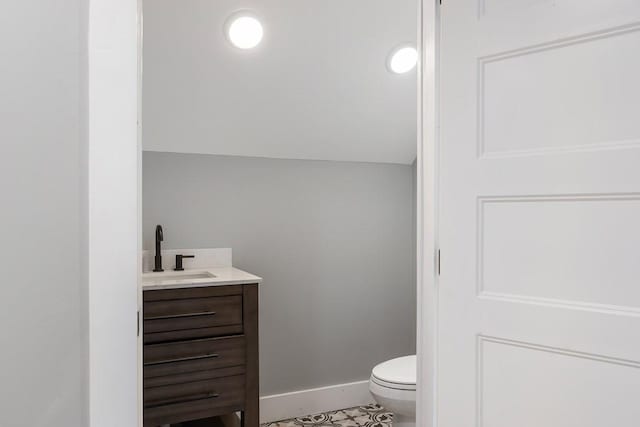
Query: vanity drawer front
point(195, 400)
point(218, 352)
point(217, 388)
point(192, 312)
point(194, 333)
point(191, 376)
point(190, 292)
point(185, 319)
point(167, 370)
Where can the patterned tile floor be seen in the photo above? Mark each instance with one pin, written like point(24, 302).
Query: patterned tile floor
point(360, 416)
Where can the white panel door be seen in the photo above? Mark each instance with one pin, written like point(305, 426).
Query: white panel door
point(539, 294)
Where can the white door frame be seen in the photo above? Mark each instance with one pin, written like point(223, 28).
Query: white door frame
point(114, 133)
point(427, 215)
point(113, 170)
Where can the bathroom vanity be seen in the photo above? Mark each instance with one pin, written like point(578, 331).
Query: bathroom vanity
point(200, 335)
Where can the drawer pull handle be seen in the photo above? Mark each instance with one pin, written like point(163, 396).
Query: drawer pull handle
point(183, 400)
point(185, 359)
point(177, 316)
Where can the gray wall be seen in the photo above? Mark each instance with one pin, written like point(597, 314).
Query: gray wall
point(43, 361)
point(332, 240)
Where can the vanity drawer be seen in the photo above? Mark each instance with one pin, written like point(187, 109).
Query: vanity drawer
point(198, 374)
point(193, 400)
point(150, 295)
point(190, 312)
point(168, 370)
point(185, 314)
point(217, 352)
point(185, 319)
point(218, 388)
point(194, 333)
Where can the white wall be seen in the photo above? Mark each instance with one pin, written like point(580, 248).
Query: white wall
point(43, 291)
point(113, 217)
point(334, 242)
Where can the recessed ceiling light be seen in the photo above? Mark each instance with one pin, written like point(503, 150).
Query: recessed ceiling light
point(244, 30)
point(403, 59)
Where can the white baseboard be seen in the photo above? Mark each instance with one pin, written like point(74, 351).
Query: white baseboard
point(305, 402)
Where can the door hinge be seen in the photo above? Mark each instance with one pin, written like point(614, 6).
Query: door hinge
point(438, 262)
point(138, 323)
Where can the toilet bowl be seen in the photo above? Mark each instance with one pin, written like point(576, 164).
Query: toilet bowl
point(393, 385)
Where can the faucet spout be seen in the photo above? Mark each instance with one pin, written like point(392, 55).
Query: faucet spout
point(158, 257)
point(159, 234)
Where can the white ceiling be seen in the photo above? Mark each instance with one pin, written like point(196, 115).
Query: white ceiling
point(317, 87)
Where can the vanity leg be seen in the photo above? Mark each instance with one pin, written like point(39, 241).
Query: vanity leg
point(251, 413)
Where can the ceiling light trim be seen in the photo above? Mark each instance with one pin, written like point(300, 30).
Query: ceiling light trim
point(251, 42)
point(396, 50)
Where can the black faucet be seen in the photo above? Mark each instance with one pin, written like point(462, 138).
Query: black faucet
point(179, 259)
point(158, 259)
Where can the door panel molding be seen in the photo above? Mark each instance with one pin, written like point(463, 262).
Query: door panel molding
point(550, 353)
point(484, 291)
point(493, 60)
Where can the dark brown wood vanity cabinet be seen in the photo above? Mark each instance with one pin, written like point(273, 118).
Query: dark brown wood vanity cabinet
point(200, 354)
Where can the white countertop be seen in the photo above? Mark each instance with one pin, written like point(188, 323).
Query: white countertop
point(218, 276)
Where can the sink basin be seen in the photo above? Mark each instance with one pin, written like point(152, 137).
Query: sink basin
point(178, 276)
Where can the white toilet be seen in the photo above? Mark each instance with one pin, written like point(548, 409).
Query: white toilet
point(393, 385)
